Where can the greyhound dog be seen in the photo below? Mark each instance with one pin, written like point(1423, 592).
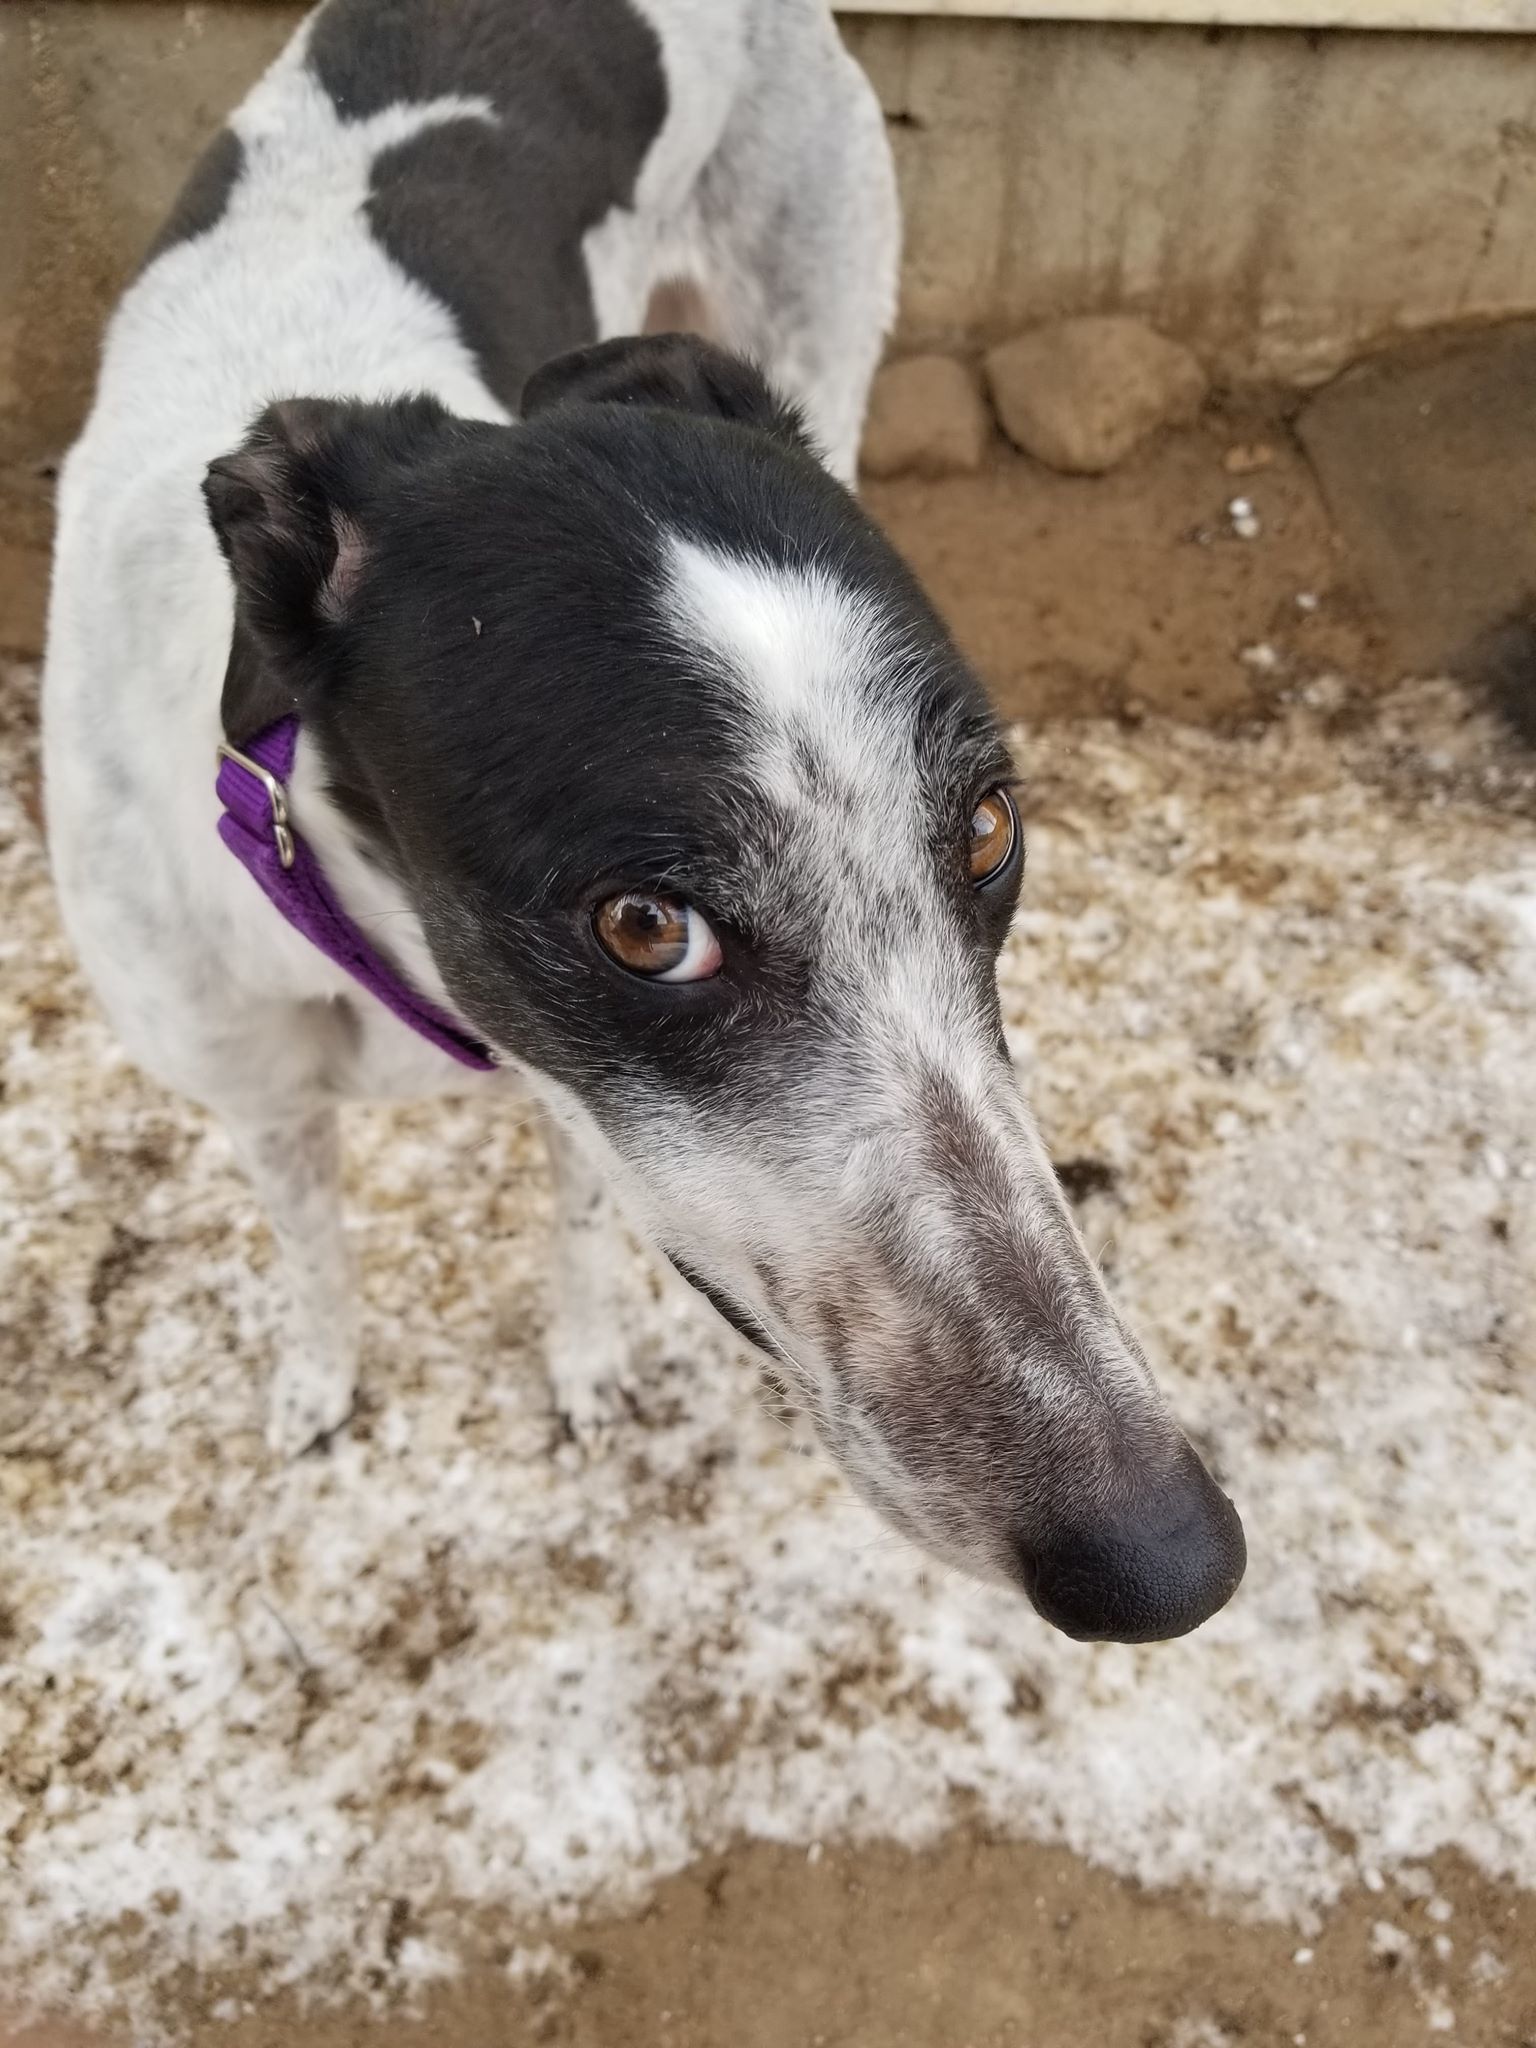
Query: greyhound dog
point(453, 685)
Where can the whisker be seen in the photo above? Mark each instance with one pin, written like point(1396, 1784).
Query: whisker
point(501, 1131)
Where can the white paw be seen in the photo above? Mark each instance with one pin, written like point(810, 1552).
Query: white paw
point(309, 1401)
point(592, 1384)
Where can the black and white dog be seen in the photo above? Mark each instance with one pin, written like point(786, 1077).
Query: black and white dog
point(584, 737)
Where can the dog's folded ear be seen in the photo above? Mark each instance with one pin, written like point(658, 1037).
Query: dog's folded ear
point(678, 372)
point(290, 508)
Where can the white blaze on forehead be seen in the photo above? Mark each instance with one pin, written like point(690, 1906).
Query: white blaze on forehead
point(820, 676)
point(813, 661)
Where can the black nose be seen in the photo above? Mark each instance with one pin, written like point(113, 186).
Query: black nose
point(1163, 1565)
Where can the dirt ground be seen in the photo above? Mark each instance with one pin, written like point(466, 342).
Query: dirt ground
point(976, 1944)
point(1084, 596)
point(1131, 596)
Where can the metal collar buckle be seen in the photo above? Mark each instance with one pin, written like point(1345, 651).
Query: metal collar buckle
point(277, 797)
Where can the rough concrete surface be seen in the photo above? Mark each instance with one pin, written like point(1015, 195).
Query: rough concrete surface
point(103, 108)
point(1427, 458)
point(1277, 200)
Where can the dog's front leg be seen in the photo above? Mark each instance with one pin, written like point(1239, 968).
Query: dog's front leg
point(591, 1334)
point(294, 1162)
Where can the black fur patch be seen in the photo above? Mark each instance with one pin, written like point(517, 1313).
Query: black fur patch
point(204, 198)
point(506, 715)
point(490, 219)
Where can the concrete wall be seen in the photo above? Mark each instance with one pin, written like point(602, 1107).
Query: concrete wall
point(1278, 198)
point(103, 105)
point(1498, 16)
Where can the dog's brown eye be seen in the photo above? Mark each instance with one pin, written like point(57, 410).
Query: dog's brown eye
point(994, 827)
point(657, 936)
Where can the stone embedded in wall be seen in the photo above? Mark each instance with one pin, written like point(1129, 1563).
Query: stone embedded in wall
point(926, 416)
point(1081, 394)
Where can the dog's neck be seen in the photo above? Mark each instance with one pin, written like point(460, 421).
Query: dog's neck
point(321, 876)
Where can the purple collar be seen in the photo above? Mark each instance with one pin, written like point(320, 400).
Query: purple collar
point(253, 788)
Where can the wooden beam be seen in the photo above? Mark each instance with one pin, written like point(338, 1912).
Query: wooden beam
point(1508, 17)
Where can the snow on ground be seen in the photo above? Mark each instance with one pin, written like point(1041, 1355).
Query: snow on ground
point(1276, 999)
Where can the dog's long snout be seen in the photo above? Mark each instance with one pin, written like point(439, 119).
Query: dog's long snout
point(1161, 1565)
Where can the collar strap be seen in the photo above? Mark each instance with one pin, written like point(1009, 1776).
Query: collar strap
point(257, 829)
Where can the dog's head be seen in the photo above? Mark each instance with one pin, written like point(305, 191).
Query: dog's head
point(709, 826)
